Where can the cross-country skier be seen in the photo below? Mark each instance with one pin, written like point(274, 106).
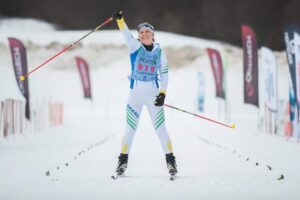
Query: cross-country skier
point(147, 62)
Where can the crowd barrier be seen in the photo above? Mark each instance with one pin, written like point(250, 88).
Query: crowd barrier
point(44, 114)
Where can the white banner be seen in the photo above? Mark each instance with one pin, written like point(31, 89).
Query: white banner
point(270, 78)
point(297, 64)
point(201, 92)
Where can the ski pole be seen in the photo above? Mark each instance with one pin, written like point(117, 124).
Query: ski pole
point(22, 78)
point(211, 120)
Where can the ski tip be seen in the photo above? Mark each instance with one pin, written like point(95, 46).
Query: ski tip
point(172, 177)
point(281, 177)
point(115, 177)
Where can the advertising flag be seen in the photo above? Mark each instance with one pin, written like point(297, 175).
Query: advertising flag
point(297, 64)
point(83, 69)
point(289, 34)
point(270, 78)
point(250, 66)
point(217, 67)
point(201, 92)
point(18, 52)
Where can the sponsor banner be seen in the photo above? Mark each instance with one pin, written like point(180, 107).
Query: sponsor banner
point(297, 64)
point(201, 92)
point(270, 79)
point(289, 34)
point(293, 110)
point(250, 66)
point(85, 76)
point(18, 52)
point(217, 67)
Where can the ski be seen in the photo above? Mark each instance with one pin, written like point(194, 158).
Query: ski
point(172, 177)
point(115, 177)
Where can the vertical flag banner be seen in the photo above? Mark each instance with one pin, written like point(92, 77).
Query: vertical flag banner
point(250, 66)
point(269, 68)
point(290, 52)
point(293, 110)
point(201, 92)
point(297, 69)
point(225, 65)
point(297, 64)
point(85, 76)
point(227, 104)
point(270, 78)
point(18, 52)
point(217, 67)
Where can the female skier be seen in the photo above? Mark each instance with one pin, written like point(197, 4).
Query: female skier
point(147, 60)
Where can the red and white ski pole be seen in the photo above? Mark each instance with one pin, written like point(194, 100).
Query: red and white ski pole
point(66, 48)
point(211, 120)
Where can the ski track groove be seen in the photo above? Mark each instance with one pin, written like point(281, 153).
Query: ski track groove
point(208, 142)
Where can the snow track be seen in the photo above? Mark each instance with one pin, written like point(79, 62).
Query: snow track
point(206, 168)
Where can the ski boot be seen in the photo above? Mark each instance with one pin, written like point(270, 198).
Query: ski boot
point(122, 164)
point(171, 163)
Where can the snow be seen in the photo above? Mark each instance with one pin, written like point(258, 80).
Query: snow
point(214, 162)
point(24, 25)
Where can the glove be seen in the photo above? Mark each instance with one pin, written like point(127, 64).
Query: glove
point(117, 14)
point(160, 99)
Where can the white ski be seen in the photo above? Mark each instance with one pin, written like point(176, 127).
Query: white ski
point(115, 177)
point(172, 177)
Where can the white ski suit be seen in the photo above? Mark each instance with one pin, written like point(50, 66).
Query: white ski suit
point(146, 66)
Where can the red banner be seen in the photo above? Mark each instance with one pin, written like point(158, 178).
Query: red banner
point(217, 67)
point(18, 52)
point(85, 76)
point(250, 66)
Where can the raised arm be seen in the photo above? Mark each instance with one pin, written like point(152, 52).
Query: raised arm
point(131, 42)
